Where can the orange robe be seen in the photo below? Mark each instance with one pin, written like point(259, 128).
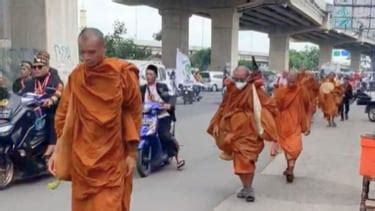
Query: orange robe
point(330, 102)
point(292, 119)
point(107, 114)
point(312, 87)
point(237, 128)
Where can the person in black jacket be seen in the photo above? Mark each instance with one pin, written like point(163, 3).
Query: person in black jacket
point(49, 85)
point(25, 75)
point(345, 104)
point(159, 92)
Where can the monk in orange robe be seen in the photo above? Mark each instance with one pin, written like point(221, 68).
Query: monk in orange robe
point(292, 121)
point(330, 102)
point(235, 126)
point(106, 102)
point(312, 86)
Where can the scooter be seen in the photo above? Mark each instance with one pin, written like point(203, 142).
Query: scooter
point(151, 154)
point(23, 138)
point(187, 94)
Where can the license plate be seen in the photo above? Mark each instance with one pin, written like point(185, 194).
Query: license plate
point(147, 121)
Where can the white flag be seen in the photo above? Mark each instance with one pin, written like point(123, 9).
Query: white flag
point(183, 69)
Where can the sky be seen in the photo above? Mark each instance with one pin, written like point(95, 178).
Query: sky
point(142, 22)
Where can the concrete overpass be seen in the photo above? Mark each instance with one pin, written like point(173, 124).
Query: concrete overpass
point(29, 26)
point(283, 20)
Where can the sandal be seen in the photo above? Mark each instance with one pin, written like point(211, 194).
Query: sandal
point(241, 194)
point(180, 164)
point(249, 195)
point(289, 176)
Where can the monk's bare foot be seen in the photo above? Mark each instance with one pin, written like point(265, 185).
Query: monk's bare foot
point(225, 156)
point(334, 124)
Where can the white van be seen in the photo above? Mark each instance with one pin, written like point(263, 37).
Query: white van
point(213, 80)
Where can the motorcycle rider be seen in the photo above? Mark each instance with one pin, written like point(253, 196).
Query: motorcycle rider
point(158, 92)
point(25, 74)
point(48, 84)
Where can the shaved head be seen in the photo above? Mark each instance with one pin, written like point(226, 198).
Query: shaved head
point(241, 73)
point(292, 79)
point(91, 46)
point(90, 33)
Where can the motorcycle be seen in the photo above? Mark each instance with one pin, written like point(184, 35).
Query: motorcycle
point(23, 138)
point(187, 94)
point(151, 154)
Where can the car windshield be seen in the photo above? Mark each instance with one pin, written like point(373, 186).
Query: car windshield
point(205, 75)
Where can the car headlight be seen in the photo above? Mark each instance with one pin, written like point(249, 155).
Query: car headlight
point(5, 130)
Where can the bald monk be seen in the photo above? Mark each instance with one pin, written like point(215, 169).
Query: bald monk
point(308, 82)
point(235, 126)
point(292, 121)
point(106, 102)
point(329, 102)
point(281, 81)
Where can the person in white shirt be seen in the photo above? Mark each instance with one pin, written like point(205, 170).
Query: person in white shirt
point(159, 92)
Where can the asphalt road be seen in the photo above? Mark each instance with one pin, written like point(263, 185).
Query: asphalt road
point(201, 186)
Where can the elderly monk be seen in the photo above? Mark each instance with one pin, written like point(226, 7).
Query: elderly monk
point(292, 121)
point(106, 102)
point(330, 97)
point(235, 126)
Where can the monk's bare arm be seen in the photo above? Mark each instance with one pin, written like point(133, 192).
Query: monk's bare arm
point(132, 109)
point(62, 110)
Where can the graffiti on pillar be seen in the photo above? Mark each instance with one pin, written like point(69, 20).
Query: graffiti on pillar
point(10, 59)
point(63, 58)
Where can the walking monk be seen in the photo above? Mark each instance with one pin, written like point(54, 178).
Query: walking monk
point(292, 121)
point(330, 98)
point(106, 103)
point(236, 126)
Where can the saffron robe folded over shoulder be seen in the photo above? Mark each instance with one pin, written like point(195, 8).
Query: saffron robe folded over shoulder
point(293, 119)
point(235, 119)
point(107, 114)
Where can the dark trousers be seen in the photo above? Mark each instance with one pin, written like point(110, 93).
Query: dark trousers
point(168, 141)
point(344, 109)
point(50, 127)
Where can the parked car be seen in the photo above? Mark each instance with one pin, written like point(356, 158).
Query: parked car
point(213, 80)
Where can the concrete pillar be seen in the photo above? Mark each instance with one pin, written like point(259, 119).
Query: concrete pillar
point(355, 60)
point(50, 25)
point(325, 54)
point(279, 52)
point(224, 41)
point(175, 34)
point(4, 20)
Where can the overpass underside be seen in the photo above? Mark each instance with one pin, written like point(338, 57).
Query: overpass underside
point(283, 20)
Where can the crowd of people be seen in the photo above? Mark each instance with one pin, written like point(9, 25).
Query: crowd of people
point(248, 116)
point(100, 109)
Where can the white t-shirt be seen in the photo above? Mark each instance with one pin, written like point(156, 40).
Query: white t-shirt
point(155, 98)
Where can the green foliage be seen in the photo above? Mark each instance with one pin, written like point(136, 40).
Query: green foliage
point(309, 58)
point(157, 36)
point(201, 59)
point(118, 46)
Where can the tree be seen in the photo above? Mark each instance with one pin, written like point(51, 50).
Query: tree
point(201, 59)
point(309, 58)
point(118, 46)
point(246, 63)
point(157, 36)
